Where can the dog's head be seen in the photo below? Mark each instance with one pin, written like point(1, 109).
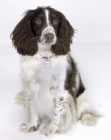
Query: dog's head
point(44, 26)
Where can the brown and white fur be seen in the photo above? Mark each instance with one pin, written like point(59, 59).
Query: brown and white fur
point(57, 92)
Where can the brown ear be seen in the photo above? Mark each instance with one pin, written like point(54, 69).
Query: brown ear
point(22, 36)
point(65, 35)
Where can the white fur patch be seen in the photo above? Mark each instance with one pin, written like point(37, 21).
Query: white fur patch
point(47, 17)
point(48, 29)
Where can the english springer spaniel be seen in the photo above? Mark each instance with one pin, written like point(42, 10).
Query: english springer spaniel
point(51, 82)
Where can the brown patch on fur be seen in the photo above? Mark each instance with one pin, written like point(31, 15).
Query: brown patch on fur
point(81, 89)
point(22, 36)
point(71, 78)
point(53, 88)
point(61, 99)
point(65, 35)
point(71, 81)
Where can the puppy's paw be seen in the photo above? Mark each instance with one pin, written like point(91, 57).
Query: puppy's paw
point(27, 128)
point(49, 130)
point(88, 119)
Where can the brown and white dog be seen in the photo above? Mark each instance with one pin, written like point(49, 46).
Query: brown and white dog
point(51, 82)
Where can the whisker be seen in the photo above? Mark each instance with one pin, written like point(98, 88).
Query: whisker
point(35, 40)
point(59, 38)
point(57, 43)
point(35, 37)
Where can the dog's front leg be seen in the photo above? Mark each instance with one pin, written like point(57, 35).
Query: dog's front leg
point(63, 115)
point(33, 117)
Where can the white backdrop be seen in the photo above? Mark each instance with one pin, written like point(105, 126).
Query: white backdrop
point(92, 18)
point(91, 50)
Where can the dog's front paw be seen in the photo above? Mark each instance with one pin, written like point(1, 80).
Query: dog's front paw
point(30, 127)
point(49, 130)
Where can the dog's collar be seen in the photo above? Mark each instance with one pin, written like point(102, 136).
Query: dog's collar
point(45, 57)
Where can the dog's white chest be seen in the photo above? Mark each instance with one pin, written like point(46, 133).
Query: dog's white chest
point(43, 82)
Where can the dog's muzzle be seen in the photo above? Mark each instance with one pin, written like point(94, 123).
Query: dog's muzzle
point(48, 36)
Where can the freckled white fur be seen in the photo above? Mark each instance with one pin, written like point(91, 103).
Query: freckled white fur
point(40, 80)
point(44, 88)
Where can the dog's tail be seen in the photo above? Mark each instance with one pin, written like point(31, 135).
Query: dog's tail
point(88, 112)
point(22, 99)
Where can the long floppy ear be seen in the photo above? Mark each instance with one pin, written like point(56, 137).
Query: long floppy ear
point(64, 35)
point(22, 36)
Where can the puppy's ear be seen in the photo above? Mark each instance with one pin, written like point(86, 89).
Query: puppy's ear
point(65, 35)
point(22, 36)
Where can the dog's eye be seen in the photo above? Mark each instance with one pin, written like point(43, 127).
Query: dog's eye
point(39, 21)
point(54, 22)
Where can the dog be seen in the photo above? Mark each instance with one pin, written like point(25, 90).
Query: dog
point(52, 84)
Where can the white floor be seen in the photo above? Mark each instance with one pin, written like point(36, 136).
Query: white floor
point(94, 64)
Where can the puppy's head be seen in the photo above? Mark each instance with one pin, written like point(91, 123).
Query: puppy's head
point(44, 26)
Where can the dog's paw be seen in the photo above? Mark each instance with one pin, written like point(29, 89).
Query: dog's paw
point(49, 130)
point(30, 127)
point(88, 119)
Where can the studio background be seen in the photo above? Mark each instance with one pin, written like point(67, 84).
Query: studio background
point(91, 49)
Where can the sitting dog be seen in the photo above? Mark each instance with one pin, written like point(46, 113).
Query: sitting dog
point(51, 82)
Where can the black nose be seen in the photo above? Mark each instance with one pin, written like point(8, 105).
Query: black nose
point(49, 37)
